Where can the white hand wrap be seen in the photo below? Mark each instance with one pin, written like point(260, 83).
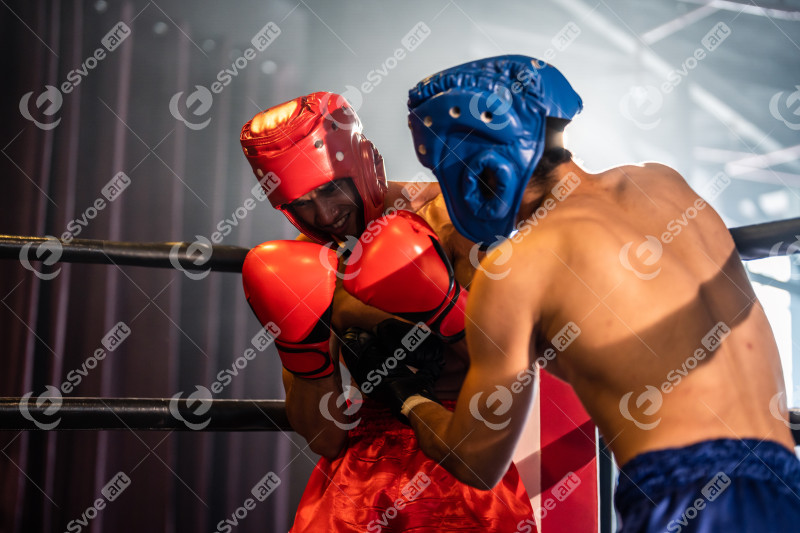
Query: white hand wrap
point(411, 402)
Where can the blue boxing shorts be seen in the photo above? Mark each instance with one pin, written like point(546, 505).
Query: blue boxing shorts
point(712, 486)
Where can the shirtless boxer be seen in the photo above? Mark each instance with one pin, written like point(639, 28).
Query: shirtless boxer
point(328, 179)
point(597, 264)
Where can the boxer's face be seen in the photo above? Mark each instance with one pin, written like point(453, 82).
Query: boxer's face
point(333, 208)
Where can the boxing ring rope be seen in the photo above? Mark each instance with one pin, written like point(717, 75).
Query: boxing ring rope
point(757, 241)
point(168, 414)
point(159, 414)
point(149, 414)
point(147, 254)
point(752, 242)
point(781, 237)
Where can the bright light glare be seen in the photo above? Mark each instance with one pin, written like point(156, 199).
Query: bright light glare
point(776, 304)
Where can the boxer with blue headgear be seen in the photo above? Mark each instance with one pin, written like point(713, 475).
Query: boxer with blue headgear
point(629, 288)
point(482, 128)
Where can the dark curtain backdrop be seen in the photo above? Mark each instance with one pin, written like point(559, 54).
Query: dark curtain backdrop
point(182, 331)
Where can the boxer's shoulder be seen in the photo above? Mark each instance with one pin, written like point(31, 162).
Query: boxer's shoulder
point(411, 195)
point(642, 174)
point(458, 248)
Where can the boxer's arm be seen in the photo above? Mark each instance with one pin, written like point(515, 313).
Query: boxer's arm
point(304, 401)
point(461, 252)
point(291, 293)
point(403, 270)
point(477, 441)
point(411, 195)
point(349, 311)
point(307, 398)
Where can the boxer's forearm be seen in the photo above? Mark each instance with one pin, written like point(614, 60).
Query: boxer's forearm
point(305, 401)
point(433, 426)
point(349, 311)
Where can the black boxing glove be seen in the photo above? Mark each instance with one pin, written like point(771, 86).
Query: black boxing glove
point(414, 344)
point(380, 364)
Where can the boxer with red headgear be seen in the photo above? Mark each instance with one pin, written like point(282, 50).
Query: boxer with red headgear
point(328, 179)
point(316, 142)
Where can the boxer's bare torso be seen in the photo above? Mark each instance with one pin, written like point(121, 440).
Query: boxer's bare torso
point(646, 364)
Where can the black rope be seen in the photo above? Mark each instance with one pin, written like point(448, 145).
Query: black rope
point(157, 414)
point(183, 255)
point(781, 237)
point(163, 414)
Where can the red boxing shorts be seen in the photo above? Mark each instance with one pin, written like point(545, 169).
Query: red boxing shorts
point(384, 483)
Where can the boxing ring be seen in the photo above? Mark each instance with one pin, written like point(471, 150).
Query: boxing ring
point(167, 414)
point(758, 241)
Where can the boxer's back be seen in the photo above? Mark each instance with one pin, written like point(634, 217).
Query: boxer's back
point(649, 273)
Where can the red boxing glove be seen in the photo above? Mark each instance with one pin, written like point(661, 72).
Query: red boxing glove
point(403, 270)
point(291, 284)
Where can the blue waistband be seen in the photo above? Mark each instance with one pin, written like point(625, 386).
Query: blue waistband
point(654, 473)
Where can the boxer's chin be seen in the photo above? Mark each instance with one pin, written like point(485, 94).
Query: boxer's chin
point(350, 227)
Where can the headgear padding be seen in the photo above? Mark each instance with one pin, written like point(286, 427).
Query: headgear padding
point(310, 141)
point(480, 127)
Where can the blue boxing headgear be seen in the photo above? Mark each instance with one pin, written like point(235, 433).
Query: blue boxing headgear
point(480, 127)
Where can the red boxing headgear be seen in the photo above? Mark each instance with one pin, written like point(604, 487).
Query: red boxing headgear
point(310, 141)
